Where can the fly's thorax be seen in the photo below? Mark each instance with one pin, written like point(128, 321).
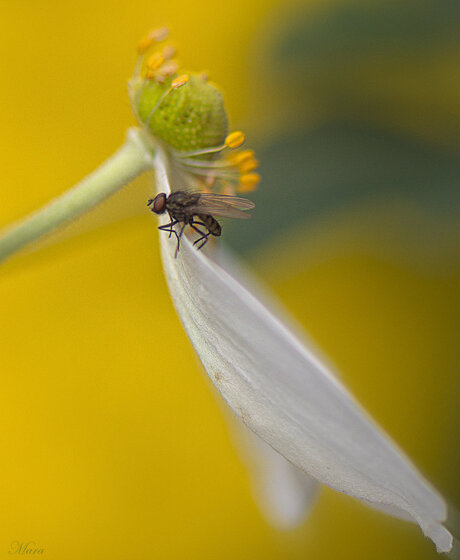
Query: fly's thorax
point(182, 199)
point(179, 205)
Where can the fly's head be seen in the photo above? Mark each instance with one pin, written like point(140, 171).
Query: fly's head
point(158, 204)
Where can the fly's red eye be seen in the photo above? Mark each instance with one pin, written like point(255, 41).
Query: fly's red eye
point(159, 203)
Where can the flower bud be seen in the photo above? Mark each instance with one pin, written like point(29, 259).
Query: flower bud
point(187, 117)
point(187, 114)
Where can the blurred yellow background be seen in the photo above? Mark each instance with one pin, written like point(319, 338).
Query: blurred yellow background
point(112, 445)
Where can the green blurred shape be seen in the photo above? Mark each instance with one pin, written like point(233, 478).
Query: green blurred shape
point(362, 28)
point(390, 63)
point(308, 175)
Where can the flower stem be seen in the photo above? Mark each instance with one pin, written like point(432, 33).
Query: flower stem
point(129, 161)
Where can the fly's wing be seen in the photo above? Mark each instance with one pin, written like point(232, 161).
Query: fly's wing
point(221, 205)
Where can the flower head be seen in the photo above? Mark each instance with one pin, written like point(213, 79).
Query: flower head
point(185, 113)
point(272, 380)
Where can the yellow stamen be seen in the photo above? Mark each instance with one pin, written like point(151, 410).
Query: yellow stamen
point(185, 155)
point(235, 139)
point(248, 182)
point(168, 52)
point(156, 35)
point(144, 44)
point(169, 68)
point(248, 165)
point(240, 157)
point(155, 61)
point(180, 81)
point(159, 34)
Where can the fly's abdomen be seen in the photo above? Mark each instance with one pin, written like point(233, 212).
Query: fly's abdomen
point(212, 225)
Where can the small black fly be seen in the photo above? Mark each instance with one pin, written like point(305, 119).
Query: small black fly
point(198, 209)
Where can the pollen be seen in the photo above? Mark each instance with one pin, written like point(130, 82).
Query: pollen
point(180, 81)
point(155, 61)
point(168, 52)
point(235, 139)
point(248, 165)
point(154, 36)
point(243, 156)
point(248, 182)
point(169, 68)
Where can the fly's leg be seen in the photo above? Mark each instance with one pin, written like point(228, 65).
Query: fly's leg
point(206, 238)
point(203, 235)
point(170, 225)
point(178, 239)
point(172, 220)
point(170, 228)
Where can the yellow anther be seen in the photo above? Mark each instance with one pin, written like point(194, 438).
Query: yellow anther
point(159, 34)
point(240, 157)
point(168, 52)
point(156, 35)
point(180, 81)
point(169, 68)
point(155, 61)
point(144, 44)
point(248, 182)
point(248, 165)
point(235, 139)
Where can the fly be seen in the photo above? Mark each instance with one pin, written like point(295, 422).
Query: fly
point(198, 209)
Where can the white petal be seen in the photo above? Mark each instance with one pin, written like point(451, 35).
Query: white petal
point(283, 393)
point(284, 493)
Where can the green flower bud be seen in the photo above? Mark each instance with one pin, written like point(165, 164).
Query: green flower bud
point(190, 117)
point(187, 114)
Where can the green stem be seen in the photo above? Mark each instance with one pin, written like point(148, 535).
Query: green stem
point(129, 161)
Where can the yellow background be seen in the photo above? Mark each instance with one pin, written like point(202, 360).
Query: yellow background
point(112, 445)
